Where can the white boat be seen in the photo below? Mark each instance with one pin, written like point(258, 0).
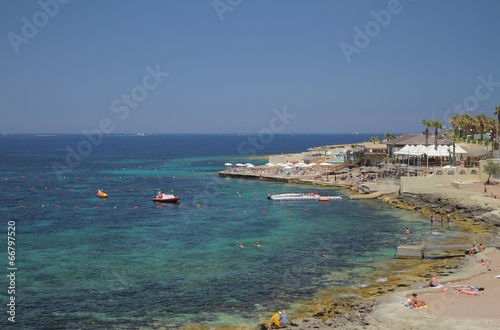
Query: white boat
point(301, 197)
point(294, 197)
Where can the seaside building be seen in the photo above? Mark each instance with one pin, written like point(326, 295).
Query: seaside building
point(409, 139)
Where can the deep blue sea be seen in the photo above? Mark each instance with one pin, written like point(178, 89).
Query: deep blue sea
point(86, 262)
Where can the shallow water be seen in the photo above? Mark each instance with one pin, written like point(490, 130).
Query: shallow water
point(107, 262)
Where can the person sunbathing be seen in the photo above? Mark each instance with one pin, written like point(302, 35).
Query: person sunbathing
point(433, 282)
point(473, 250)
point(415, 302)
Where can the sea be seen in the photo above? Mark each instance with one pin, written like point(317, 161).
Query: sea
point(73, 260)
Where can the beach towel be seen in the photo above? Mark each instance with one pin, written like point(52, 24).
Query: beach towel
point(484, 262)
point(468, 290)
point(424, 306)
point(440, 285)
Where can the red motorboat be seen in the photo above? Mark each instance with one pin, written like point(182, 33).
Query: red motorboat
point(160, 196)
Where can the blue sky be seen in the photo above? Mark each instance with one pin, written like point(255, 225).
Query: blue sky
point(223, 66)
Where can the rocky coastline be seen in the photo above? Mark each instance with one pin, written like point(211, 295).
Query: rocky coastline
point(470, 217)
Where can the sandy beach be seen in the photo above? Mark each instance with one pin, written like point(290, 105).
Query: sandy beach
point(449, 310)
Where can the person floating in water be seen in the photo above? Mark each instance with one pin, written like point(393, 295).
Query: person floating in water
point(257, 244)
point(240, 245)
point(407, 232)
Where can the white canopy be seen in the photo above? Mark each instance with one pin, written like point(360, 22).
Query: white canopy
point(326, 164)
point(228, 164)
point(442, 151)
point(270, 164)
point(239, 164)
point(250, 165)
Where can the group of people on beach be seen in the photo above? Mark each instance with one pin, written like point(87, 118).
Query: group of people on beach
point(474, 249)
point(278, 171)
point(279, 319)
point(441, 220)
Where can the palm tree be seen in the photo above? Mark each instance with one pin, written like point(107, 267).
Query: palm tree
point(389, 136)
point(497, 112)
point(456, 122)
point(453, 139)
point(491, 126)
point(374, 139)
point(427, 124)
point(469, 124)
point(436, 124)
point(481, 121)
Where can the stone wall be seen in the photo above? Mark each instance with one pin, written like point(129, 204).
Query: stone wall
point(441, 177)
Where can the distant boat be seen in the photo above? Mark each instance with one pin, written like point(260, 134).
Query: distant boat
point(356, 133)
point(160, 196)
point(140, 134)
point(102, 194)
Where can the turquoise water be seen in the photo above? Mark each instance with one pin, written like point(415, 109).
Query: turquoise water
point(129, 262)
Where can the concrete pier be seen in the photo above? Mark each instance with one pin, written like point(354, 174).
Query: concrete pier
point(410, 252)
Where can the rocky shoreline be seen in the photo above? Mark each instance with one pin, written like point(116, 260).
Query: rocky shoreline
point(470, 217)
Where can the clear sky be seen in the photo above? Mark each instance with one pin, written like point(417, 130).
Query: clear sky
point(223, 66)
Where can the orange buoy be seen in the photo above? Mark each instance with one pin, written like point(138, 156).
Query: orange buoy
point(159, 206)
point(221, 192)
point(204, 192)
point(180, 206)
point(57, 206)
point(287, 211)
point(307, 210)
point(88, 189)
point(216, 209)
point(96, 207)
point(135, 207)
point(229, 210)
point(187, 191)
point(265, 212)
point(76, 207)
point(20, 206)
point(205, 207)
point(255, 192)
point(131, 189)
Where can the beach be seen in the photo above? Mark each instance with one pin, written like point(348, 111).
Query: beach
point(474, 211)
point(448, 310)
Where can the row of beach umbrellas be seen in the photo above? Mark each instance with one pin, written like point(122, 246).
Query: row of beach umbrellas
point(285, 165)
